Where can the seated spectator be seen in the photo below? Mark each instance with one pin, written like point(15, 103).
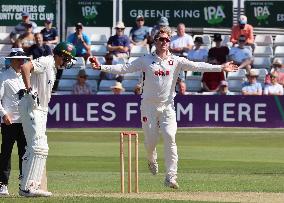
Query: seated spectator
point(240, 55)
point(81, 41)
point(163, 22)
point(138, 89)
point(181, 87)
point(39, 49)
point(27, 38)
point(20, 29)
point(119, 44)
point(109, 76)
point(197, 53)
point(223, 88)
point(117, 88)
point(49, 33)
point(242, 29)
point(274, 88)
point(139, 34)
point(251, 87)
point(82, 87)
point(211, 80)
point(182, 42)
point(219, 52)
point(17, 44)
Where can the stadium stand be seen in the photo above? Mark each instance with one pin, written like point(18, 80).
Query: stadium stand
point(70, 73)
point(279, 51)
point(4, 38)
point(92, 74)
point(137, 51)
point(99, 39)
point(106, 84)
point(98, 50)
point(65, 84)
point(262, 62)
point(132, 76)
point(235, 85)
point(264, 40)
point(279, 40)
point(263, 51)
point(129, 85)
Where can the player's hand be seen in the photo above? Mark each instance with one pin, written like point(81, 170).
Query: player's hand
point(7, 120)
point(95, 64)
point(230, 67)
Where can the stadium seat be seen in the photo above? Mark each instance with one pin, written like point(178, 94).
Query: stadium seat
point(98, 39)
point(235, 85)
point(92, 74)
point(261, 73)
point(193, 85)
point(238, 75)
point(119, 61)
point(5, 49)
point(132, 76)
point(132, 59)
point(80, 62)
point(206, 39)
point(70, 73)
point(279, 51)
point(62, 92)
point(262, 62)
point(4, 38)
point(137, 51)
point(93, 84)
point(263, 51)
point(129, 85)
point(98, 50)
point(263, 40)
point(279, 40)
point(66, 84)
point(106, 84)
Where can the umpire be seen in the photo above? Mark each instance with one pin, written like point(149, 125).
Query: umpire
point(11, 127)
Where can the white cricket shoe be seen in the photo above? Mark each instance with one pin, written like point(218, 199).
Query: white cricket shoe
point(171, 182)
point(153, 167)
point(34, 193)
point(3, 190)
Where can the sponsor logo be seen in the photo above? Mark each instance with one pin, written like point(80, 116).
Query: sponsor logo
point(214, 15)
point(162, 73)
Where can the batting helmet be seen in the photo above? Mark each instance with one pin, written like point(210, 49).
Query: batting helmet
point(65, 48)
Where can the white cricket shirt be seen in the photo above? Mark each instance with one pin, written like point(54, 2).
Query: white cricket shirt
point(10, 83)
point(160, 74)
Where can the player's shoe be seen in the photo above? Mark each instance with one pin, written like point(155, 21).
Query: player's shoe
point(34, 193)
point(153, 167)
point(171, 182)
point(4, 190)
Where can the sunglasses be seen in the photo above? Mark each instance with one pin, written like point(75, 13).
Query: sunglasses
point(140, 20)
point(164, 39)
point(120, 29)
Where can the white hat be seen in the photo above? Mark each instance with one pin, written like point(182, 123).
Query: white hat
point(17, 53)
point(117, 85)
point(252, 73)
point(277, 61)
point(243, 19)
point(120, 25)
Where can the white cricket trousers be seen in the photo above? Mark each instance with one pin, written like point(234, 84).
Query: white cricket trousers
point(160, 116)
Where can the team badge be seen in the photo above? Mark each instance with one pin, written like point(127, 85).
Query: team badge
point(171, 62)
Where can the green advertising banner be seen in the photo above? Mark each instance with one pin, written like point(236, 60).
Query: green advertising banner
point(191, 13)
point(92, 13)
point(40, 10)
point(265, 13)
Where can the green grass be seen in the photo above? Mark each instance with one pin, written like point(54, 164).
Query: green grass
point(213, 160)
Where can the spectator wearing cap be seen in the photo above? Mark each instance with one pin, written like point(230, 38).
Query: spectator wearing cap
point(273, 88)
point(81, 41)
point(119, 44)
point(219, 52)
point(49, 33)
point(197, 53)
point(223, 88)
point(81, 86)
point(276, 67)
point(242, 29)
point(162, 22)
point(139, 33)
point(11, 83)
point(21, 27)
point(39, 48)
point(181, 43)
point(27, 39)
point(241, 55)
point(251, 87)
point(117, 88)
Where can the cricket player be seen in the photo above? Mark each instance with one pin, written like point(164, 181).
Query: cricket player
point(11, 127)
point(161, 70)
point(39, 76)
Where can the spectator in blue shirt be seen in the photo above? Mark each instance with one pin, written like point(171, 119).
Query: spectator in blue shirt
point(119, 44)
point(49, 33)
point(139, 33)
point(81, 41)
point(252, 87)
point(39, 48)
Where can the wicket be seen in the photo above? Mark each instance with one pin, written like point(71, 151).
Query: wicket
point(129, 135)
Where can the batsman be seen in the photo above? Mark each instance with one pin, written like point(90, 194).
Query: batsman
point(39, 76)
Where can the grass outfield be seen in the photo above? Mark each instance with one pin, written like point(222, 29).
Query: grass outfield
point(83, 166)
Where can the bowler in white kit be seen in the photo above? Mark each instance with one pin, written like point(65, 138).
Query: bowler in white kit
point(161, 70)
point(39, 76)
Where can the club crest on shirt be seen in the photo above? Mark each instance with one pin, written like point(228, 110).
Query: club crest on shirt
point(162, 72)
point(171, 62)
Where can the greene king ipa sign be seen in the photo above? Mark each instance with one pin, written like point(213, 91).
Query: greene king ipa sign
point(265, 13)
point(191, 13)
point(40, 10)
point(96, 13)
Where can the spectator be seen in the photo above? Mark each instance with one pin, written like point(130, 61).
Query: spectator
point(219, 52)
point(81, 86)
point(119, 44)
point(39, 49)
point(27, 38)
point(251, 87)
point(274, 88)
point(110, 76)
point(242, 29)
point(138, 89)
point(21, 27)
point(139, 34)
point(223, 88)
point(182, 88)
point(198, 54)
point(81, 42)
point(240, 55)
point(277, 66)
point(117, 88)
point(211, 80)
point(49, 33)
point(163, 22)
